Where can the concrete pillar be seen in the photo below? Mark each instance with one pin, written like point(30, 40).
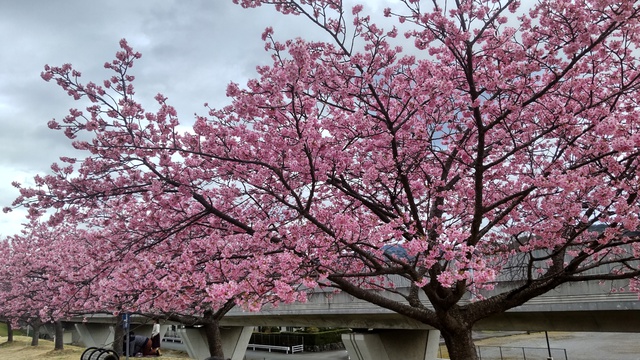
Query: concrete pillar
point(67, 337)
point(96, 335)
point(163, 330)
point(194, 341)
point(234, 341)
point(393, 345)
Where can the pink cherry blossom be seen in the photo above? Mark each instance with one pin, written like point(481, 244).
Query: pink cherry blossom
point(496, 147)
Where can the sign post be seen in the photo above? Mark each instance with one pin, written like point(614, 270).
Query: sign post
point(126, 324)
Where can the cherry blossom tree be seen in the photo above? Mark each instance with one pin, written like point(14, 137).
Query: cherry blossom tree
point(5, 287)
point(52, 273)
point(504, 134)
point(108, 270)
point(491, 139)
point(147, 213)
point(27, 292)
point(181, 277)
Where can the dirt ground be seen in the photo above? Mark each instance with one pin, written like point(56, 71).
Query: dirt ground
point(21, 349)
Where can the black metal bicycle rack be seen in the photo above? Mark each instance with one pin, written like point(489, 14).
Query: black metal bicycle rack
point(94, 353)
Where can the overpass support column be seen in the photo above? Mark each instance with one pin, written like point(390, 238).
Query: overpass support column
point(96, 335)
point(393, 345)
point(234, 341)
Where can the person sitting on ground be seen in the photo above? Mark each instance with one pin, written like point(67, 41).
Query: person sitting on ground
point(140, 344)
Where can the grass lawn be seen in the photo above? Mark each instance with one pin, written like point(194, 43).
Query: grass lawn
point(20, 349)
point(3, 331)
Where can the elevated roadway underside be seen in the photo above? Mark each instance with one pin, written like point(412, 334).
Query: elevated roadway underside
point(595, 321)
point(572, 307)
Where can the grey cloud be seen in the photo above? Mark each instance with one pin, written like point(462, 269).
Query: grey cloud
point(191, 51)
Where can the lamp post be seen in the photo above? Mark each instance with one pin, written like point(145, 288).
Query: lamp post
point(548, 347)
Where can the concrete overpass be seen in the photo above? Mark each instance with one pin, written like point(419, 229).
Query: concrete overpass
point(585, 306)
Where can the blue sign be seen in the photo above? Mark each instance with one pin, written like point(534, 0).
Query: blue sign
point(126, 320)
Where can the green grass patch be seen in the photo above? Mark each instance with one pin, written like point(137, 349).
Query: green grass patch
point(3, 330)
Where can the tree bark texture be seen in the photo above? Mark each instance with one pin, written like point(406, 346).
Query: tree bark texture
point(59, 336)
point(35, 337)
point(118, 336)
point(214, 339)
point(460, 344)
point(9, 332)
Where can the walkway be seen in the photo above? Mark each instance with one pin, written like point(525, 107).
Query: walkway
point(325, 355)
point(579, 345)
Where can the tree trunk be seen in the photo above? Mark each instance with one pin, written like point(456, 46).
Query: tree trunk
point(59, 337)
point(9, 332)
point(35, 337)
point(214, 338)
point(118, 336)
point(212, 332)
point(460, 344)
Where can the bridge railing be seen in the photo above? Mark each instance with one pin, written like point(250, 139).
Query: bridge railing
point(276, 339)
point(519, 353)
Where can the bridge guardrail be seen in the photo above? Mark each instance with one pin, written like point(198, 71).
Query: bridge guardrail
point(519, 353)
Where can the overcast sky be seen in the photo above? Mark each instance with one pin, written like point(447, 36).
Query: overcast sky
point(190, 51)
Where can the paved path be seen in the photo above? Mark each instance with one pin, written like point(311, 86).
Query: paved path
point(265, 355)
point(579, 345)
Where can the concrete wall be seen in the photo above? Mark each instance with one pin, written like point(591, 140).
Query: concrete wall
point(95, 335)
point(234, 341)
point(393, 345)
